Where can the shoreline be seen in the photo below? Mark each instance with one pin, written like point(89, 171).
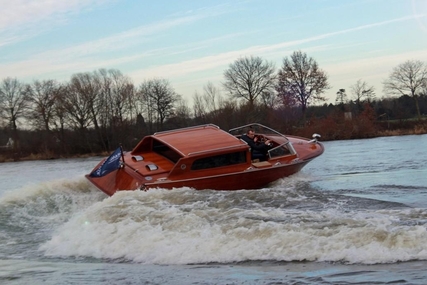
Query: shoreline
point(41, 156)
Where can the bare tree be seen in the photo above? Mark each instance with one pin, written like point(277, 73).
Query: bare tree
point(145, 104)
point(109, 97)
point(13, 104)
point(270, 100)
point(212, 97)
point(84, 87)
point(13, 101)
point(158, 98)
point(182, 113)
point(199, 107)
point(301, 78)
point(249, 78)
point(362, 92)
point(104, 104)
point(341, 99)
point(121, 95)
point(42, 95)
point(77, 106)
point(206, 107)
point(60, 116)
point(408, 78)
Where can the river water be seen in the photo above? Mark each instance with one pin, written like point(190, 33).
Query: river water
point(355, 215)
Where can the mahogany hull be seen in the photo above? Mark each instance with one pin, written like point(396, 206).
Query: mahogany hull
point(254, 178)
point(184, 158)
point(250, 179)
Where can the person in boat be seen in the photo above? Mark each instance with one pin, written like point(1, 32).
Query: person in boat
point(258, 149)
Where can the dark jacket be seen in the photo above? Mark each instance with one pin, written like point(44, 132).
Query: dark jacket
point(258, 150)
point(260, 147)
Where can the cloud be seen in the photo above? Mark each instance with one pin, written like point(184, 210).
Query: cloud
point(117, 42)
point(223, 59)
point(22, 19)
point(342, 74)
point(18, 13)
point(51, 69)
point(378, 67)
point(93, 54)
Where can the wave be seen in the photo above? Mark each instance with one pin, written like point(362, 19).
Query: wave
point(184, 226)
point(399, 187)
point(51, 201)
point(288, 221)
point(30, 214)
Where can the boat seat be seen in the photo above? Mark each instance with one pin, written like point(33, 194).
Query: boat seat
point(261, 164)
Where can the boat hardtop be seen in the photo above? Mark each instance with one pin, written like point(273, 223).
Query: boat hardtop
point(194, 140)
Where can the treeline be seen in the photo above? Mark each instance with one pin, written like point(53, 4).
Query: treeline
point(382, 117)
point(96, 111)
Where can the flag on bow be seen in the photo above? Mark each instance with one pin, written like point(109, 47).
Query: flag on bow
point(110, 164)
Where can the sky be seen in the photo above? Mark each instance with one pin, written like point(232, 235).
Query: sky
point(192, 42)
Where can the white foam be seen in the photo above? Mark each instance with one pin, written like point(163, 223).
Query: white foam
point(49, 203)
point(186, 226)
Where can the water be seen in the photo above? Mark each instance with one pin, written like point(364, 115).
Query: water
point(355, 215)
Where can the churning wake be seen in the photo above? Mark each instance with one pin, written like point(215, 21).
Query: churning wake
point(289, 221)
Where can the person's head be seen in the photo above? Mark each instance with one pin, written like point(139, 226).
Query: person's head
point(250, 133)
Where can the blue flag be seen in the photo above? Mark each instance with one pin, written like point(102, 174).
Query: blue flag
point(110, 164)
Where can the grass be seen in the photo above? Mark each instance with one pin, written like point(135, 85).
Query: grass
point(417, 130)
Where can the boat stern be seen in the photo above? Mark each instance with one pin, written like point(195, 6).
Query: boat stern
point(114, 181)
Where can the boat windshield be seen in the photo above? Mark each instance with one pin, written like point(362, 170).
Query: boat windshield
point(281, 150)
point(165, 151)
point(284, 148)
point(257, 128)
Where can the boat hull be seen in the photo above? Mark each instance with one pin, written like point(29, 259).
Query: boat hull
point(253, 178)
point(203, 158)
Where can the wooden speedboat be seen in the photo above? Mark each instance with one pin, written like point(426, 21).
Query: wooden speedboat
point(204, 157)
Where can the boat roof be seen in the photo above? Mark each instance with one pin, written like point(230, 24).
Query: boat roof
point(205, 138)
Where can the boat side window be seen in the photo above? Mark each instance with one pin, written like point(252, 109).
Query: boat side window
point(166, 151)
point(219, 160)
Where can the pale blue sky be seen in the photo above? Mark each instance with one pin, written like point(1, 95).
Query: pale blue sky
point(191, 43)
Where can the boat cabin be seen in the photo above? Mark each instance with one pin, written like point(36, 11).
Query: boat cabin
point(184, 152)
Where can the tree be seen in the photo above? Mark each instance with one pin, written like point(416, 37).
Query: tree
point(109, 97)
point(78, 105)
point(206, 106)
point(158, 98)
point(121, 95)
point(341, 97)
point(199, 108)
point(362, 93)
point(13, 104)
point(301, 79)
point(181, 116)
point(408, 77)
point(270, 100)
point(13, 101)
point(42, 95)
point(249, 78)
point(145, 104)
point(211, 97)
point(60, 116)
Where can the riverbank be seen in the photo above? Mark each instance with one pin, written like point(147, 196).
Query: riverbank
point(8, 157)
